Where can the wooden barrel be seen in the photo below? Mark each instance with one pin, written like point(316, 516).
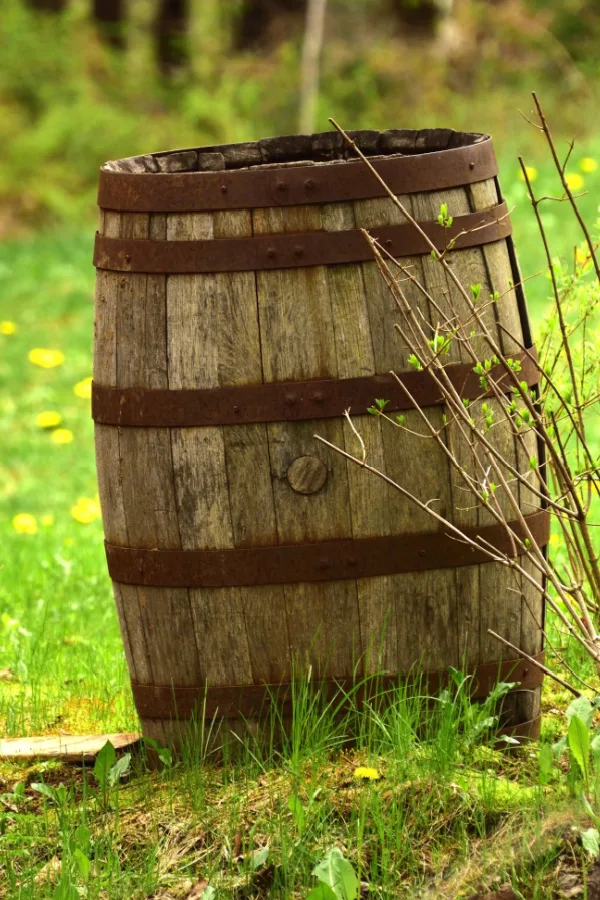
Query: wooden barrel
point(239, 312)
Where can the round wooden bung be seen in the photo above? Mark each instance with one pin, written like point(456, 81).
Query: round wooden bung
point(307, 475)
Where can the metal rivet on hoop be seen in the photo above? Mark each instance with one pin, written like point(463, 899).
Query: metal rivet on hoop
point(471, 165)
point(309, 184)
point(223, 188)
point(281, 186)
point(271, 253)
point(298, 251)
point(290, 399)
point(317, 396)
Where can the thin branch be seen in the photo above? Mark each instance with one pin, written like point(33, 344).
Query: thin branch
point(565, 185)
point(539, 665)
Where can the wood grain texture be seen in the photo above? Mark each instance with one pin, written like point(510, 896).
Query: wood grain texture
point(532, 602)
point(250, 491)
point(532, 623)
point(371, 501)
point(323, 619)
point(67, 747)
point(194, 320)
point(425, 602)
point(307, 475)
point(115, 296)
point(500, 277)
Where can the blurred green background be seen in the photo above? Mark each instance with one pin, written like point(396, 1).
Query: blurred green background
point(83, 81)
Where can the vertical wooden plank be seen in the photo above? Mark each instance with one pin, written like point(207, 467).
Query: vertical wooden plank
point(483, 195)
point(146, 468)
point(322, 618)
point(532, 601)
point(111, 290)
point(202, 500)
point(474, 585)
point(532, 619)
point(247, 460)
point(500, 587)
point(519, 614)
point(468, 264)
point(423, 602)
point(392, 351)
point(105, 373)
point(354, 355)
point(464, 513)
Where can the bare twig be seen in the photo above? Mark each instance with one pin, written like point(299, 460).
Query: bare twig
point(561, 171)
point(539, 665)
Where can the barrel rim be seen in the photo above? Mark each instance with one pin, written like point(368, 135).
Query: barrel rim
point(326, 146)
point(135, 185)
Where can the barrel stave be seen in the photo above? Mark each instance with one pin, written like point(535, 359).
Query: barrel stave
point(298, 341)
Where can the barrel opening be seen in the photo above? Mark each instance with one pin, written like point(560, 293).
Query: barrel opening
point(299, 149)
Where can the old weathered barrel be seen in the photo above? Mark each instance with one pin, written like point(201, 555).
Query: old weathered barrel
point(239, 312)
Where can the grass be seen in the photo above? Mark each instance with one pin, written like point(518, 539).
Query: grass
point(445, 817)
point(442, 816)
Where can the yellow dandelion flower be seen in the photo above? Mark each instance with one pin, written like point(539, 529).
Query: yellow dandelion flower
point(532, 173)
point(83, 388)
point(574, 181)
point(588, 165)
point(7, 327)
point(48, 419)
point(86, 510)
point(46, 359)
point(62, 436)
point(554, 540)
point(47, 520)
point(367, 772)
point(25, 523)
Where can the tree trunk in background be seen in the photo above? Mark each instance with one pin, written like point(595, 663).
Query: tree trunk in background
point(54, 6)
point(311, 55)
point(171, 33)
point(421, 17)
point(109, 16)
point(253, 24)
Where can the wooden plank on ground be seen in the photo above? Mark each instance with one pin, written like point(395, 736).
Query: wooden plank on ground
point(68, 747)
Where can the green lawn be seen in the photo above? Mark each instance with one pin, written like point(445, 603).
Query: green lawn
point(58, 631)
point(62, 668)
